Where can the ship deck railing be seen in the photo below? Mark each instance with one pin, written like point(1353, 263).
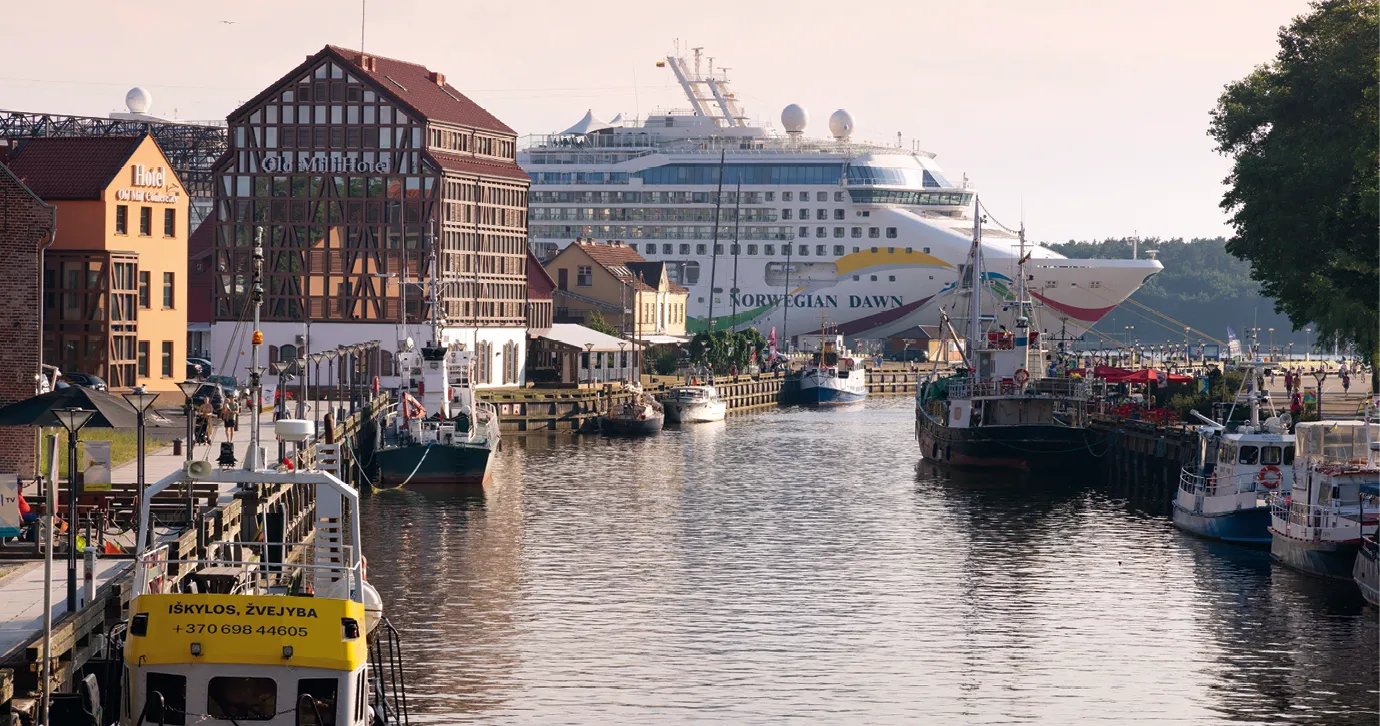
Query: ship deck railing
point(1215, 485)
point(966, 388)
point(252, 566)
point(1308, 521)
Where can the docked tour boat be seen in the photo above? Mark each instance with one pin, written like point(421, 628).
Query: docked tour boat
point(444, 436)
point(999, 411)
point(1366, 571)
point(1317, 528)
point(1225, 495)
point(694, 404)
point(833, 376)
point(640, 415)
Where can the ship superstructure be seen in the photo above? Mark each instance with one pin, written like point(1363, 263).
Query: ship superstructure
point(870, 234)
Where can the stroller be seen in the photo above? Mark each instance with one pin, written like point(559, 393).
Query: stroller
point(203, 429)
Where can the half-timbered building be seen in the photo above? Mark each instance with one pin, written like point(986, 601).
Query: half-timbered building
point(355, 171)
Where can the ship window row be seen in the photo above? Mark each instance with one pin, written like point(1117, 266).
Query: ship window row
point(546, 196)
point(896, 196)
point(552, 231)
point(654, 249)
point(652, 214)
point(895, 177)
point(743, 173)
point(579, 177)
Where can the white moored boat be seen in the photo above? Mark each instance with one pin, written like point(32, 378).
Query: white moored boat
point(868, 234)
point(1317, 528)
point(694, 404)
point(1226, 494)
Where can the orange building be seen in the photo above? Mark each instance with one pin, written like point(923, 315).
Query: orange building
point(114, 280)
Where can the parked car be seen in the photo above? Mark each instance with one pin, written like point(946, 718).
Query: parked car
point(228, 385)
point(204, 364)
point(86, 380)
point(912, 354)
point(195, 371)
point(209, 391)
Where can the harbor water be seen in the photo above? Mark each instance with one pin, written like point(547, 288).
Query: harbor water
point(799, 565)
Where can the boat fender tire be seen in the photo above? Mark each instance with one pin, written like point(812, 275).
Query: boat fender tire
point(1270, 477)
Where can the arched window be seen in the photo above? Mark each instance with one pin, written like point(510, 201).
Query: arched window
point(287, 353)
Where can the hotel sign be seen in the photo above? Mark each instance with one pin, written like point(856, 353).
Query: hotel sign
point(154, 180)
point(319, 165)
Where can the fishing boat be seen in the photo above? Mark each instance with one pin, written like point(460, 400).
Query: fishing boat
point(639, 415)
point(1225, 494)
point(439, 434)
point(833, 375)
point(272, 629)
point(1366, 571)
point(998, 410)
point(1317, 528)
point(694, 404)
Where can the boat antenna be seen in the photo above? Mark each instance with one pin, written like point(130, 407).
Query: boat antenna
point(714, 259)
point(432, 292)
point(975, 280)
point(737, 214)
point(786, 299)
point(251, 457)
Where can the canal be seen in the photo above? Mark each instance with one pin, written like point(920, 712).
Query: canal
point(798, 565)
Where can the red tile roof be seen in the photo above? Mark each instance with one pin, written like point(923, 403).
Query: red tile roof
point(72, 167)
point(540, 286)
point(436, 101)
point(471, 165)
point(616, 258)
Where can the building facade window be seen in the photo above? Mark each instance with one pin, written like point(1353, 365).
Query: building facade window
point(584, 276)
point(143, 359)
point(145, 221)
point(168, 296)
point(873, 233)
point(838, 214)
point(838, 232)
point(144, 290)
point(122, 219)
point(167, 371)
point(169, 222)
point(786, 196)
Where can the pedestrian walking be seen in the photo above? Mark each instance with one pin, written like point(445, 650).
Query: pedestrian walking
point(230, 416)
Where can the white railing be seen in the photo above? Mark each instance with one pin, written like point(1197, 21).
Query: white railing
point(251, 575)
point(1312, 521)
point(1055, 387)
point(1214, 485)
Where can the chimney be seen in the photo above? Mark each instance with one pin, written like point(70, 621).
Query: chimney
point(366, 62)
point(436, 77)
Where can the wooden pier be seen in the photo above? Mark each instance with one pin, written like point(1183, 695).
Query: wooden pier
point(286, 511)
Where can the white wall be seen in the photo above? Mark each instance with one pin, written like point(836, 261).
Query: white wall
point(327, 336)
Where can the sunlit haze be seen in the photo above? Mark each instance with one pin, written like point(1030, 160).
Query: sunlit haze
point(1088, 117)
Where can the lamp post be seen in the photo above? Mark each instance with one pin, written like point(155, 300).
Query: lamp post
point(330, 356)
point(1291, 351)
point(589, 362)
point(622, 361)
point(1320, 376)
point(189, 389)
point(316, 359)
point(280, 404)
point(141, 400)
point(72, 419)
point(1307, 344)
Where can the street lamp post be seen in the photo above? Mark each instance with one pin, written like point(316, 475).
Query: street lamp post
point(589, 362)
point(622, 361)
point(1307, 344)
point(280, 404)
point(330, 356)
point(189, 389)
point(72, 419)
point(141, 400)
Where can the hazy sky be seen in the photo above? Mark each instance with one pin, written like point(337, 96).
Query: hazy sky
point(1092, 114)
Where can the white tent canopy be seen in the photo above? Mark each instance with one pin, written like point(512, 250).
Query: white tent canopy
point(577, 336)
point(587, 124)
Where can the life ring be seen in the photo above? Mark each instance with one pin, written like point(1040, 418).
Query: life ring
point(1212, 479)
point(1270, 477)
point(1022, 376)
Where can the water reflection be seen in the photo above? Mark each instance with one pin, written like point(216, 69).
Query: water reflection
point(797, 563)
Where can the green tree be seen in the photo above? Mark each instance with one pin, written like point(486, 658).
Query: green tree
point(596, 321)
point(1302, 132)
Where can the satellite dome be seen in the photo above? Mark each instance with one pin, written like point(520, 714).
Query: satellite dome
point(841, 124)
point(138, 100)
point(794, 118)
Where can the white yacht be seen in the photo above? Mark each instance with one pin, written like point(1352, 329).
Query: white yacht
point(867, 234)
point(694, 404)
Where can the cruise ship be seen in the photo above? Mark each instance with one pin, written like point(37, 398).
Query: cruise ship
point(864, 236)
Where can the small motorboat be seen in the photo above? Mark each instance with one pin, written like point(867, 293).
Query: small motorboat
point(640, 415)
point(694, 404)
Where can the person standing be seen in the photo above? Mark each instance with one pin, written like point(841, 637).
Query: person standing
point(1288, 381)
point(230, 415)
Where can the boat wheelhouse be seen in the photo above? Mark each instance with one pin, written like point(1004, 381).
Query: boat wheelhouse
point(694, 404)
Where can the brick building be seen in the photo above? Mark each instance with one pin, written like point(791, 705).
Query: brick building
point(27, 226)
point(115, 286)
point(356, 169)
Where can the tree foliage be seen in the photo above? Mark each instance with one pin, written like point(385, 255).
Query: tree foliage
point(1302, 133)
point(722, 350)
point(596, 321)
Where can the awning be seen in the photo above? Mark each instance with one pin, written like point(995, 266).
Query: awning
point(198, 327)
point(578, 336)
point(662, 340)
point(586, 125)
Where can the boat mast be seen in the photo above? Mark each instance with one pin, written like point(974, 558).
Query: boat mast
point(251, 457)
point(737, 215)
point(1022, 299)
point(975, 280)
point(714, 258)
